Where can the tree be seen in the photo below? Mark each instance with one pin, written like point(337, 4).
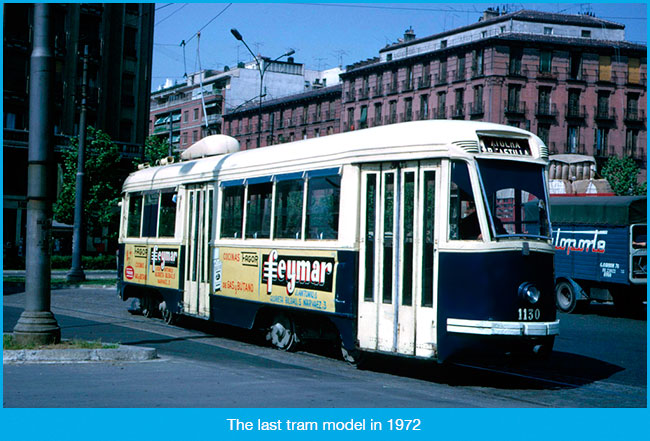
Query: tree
point(104, 176)
point(621, 173)
point(155, 148)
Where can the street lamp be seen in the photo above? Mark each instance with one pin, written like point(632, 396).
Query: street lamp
point(267, 63)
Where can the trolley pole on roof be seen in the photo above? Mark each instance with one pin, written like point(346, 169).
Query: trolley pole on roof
point(37, 323)
point(76, 273)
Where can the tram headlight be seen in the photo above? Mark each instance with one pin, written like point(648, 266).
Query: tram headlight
point(529, 291)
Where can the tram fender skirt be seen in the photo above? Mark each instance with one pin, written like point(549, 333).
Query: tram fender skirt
point(346, 282)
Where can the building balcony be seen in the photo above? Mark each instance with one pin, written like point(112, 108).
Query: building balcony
point(291, 122)
point(421, 115)
point(458, 76)
point(440, 113)
point(577, 148)
point(603, 151)
point(550, 75)
point(392, 89)
point(457, 112)
point(329, 116)
point(362, 124)
point(635, 153)
point(476, 109)
point(407, 86)
point(390, 119)
point(377, 91)
point(546, 110)
point(478, 72)
point(575, 112)
point(635, 80)
point(605, 114)
point(376, 121)
point(441, 79)
point(350, 96)
point(424, 82)
point(516, 70)
point(634, 116)
point(406, 116)
point(315, 117)
point(578, 77)
point(515, 107)
point(363, 93)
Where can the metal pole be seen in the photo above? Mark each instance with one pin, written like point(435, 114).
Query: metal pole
point(259, 110)
point(76, 273)
point(37, 323)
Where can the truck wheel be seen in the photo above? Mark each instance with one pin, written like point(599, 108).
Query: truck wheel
point(565, 297)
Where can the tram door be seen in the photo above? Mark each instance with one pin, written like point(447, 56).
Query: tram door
point(199, 203)
point(398, 258)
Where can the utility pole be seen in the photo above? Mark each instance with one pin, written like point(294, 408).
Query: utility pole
point(76, 273)
point(37, 323)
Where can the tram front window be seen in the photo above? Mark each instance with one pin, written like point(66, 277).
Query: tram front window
point(516, 198)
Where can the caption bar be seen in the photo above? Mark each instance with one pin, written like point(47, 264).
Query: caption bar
point(393, 424)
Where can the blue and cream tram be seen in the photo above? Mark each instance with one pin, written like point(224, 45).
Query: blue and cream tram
point(428, 239)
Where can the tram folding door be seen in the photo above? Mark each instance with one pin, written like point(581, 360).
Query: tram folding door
point(198, 218)
point(397, 264)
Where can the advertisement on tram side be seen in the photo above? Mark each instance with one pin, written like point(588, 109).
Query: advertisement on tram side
point(281, 277)
point(152, 265)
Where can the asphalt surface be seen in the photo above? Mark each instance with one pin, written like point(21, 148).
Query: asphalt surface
point(599, 361)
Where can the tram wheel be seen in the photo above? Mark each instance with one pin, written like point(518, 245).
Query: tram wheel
point(168, 316)
point(146, 305)
point(565, 297)
point(353, 357)
point(282, 333)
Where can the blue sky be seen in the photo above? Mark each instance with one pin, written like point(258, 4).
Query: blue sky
point(326, 35)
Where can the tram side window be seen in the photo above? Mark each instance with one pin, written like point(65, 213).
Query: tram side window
point(323, 195)
point(232, 212)
point(463, 220)
point(288, 209)
point(167, 216)
point(150, 214)
point(135, 215)
point(258, 214)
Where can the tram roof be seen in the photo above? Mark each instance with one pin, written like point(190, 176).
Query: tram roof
point(405, 141)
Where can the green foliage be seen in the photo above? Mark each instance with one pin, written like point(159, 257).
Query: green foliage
point(155, 148)
point(107, 262)
point(621, 173)
point(104, 175)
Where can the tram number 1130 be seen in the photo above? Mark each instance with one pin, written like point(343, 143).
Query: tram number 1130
point(528, 314)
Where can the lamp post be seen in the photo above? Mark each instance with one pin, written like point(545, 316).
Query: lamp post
point(262, 71)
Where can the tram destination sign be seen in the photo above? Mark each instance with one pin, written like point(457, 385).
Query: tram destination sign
point(504, 146)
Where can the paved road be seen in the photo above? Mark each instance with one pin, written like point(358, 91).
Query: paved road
point(599, 362)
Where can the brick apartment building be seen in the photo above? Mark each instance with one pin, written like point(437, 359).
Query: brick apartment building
point(571, 79)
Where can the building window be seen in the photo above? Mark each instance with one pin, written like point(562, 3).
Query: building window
point(389, 57)
point(502, 29)
point(548, 30)
point(632, 108)
point(573, 138)
point(634, 71)
point(442, 104)
point(600, 148)
point(392, 115)
point(604, 68)
point(602, 110)
point(585, 34)
point(408, 109)
point(195, 136)
point(378, 114)
point(543, 131)
point(351, 118)
point(514, 95)
point(575, 68)
point(363, 119)
point(478, 100)
point(186, 116)
point(545, 60)
point(544, 101)
point(443, 44)
point(477, 63)
point(184, 138)
point(631, 139)
point(424, 107)
point(514, 68)
point(196, 114)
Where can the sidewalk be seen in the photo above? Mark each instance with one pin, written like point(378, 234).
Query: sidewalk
point(94, 279)
point(61, 273)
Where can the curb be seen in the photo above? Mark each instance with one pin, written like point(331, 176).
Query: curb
point(123, 353)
